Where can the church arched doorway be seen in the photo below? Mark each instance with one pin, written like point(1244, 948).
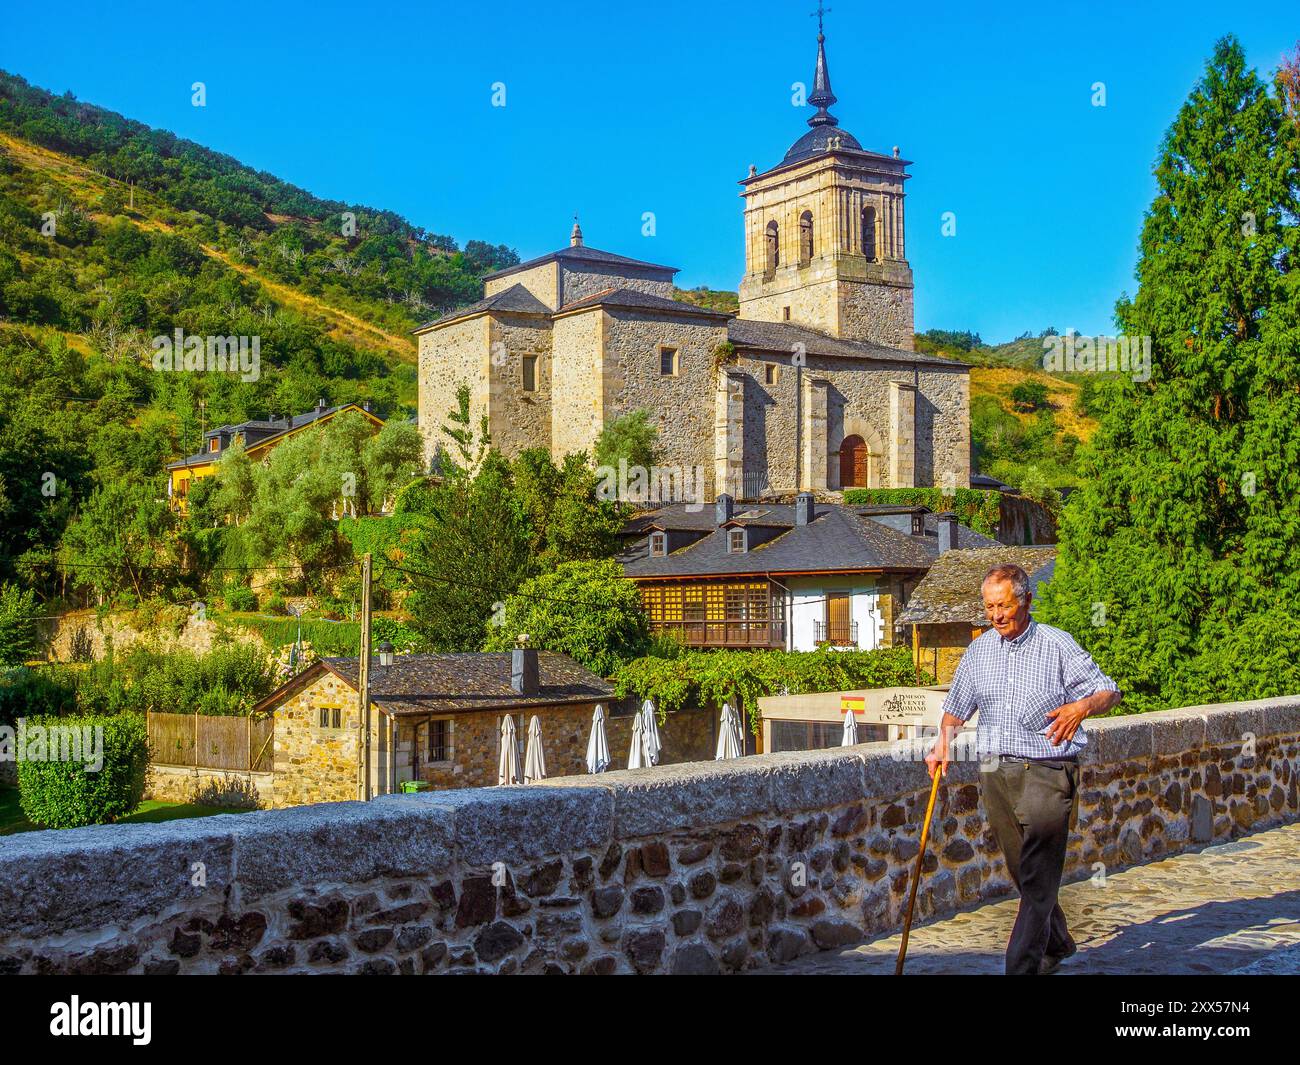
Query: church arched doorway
point(853, 462)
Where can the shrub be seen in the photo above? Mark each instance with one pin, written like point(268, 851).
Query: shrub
point(1029, 396)
point(275, 605)
point(28, 692)
point(19, 630)
point(240, 597)
point(70, 793)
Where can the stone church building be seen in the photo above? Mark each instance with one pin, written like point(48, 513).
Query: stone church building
point(812, 386)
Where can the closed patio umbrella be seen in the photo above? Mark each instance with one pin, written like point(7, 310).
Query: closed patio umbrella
point(636, 756)
point(535, 758)
point(850, 730)
point(651, 730)
point(731, 744)
point(598, 745)
point(508, 771)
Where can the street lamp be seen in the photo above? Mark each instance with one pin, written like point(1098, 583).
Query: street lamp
point(386, 650)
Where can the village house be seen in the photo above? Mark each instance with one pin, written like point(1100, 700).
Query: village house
point(259, 438)
point(787, 576)
point(437, 718)
point(814, 385)
point(946, 610)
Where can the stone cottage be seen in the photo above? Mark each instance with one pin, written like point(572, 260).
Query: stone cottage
point(438, 717)
point(813, 386)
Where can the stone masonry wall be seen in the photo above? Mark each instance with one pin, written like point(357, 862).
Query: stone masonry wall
point(451, 356)
point(703, 868)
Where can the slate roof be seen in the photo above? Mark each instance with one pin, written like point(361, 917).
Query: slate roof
point(836, 540)
point(277, 426)
point(514, 300)
point(641, 301)
point(451, 683)
point(950, 592)
point(782, 336)
point(582, 253)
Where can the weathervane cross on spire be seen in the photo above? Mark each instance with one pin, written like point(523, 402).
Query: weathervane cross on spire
point(819, 13)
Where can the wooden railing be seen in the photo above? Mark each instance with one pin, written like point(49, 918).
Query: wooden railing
point(731, 633)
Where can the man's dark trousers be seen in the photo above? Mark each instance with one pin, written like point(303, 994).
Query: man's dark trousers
point(1029, 805)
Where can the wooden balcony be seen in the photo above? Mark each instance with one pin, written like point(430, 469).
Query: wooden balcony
point(732, 633)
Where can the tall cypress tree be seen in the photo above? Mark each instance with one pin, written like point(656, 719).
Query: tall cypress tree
point(1179, 563)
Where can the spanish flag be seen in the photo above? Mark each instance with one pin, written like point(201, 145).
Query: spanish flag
point(852, 704)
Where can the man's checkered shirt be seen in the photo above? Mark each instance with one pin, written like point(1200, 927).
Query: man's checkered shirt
point(1014, 683)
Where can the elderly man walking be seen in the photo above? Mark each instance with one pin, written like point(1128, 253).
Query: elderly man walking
point(1033, 686)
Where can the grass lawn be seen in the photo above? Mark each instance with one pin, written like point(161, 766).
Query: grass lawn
point(13, 820)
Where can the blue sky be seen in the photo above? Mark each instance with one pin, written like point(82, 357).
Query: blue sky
point(663, 108)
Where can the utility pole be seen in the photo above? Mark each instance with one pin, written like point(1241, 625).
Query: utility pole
point(363, 752)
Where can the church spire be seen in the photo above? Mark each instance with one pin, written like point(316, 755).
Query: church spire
point(575, 238)
point(822, 97)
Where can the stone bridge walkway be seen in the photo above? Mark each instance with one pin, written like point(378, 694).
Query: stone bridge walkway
point(1229, 908)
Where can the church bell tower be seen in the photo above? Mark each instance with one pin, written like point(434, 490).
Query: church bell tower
point(824, 244)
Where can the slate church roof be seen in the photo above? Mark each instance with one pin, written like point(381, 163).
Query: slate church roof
point(580, 253)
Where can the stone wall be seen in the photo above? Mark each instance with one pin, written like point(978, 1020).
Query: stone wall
point(542, 281)
point(450, 356)
point(313, 764)
point(692, 869)
point(210, 787)
point(81, 633)
point(578, 280)
point(519, 419)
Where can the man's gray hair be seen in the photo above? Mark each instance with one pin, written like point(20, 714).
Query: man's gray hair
point(1009, 572)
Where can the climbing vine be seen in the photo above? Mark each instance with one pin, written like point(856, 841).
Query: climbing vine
point(710, 678)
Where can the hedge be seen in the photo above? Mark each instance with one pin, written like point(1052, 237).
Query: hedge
point(68, 794)
point(709, 678)
point(976, 508)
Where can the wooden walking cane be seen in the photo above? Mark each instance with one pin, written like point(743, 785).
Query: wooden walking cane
point(916, 876)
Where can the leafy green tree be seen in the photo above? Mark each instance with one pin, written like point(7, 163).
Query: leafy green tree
point(123, 539)
point(20, 636)
point(588, 610)
point(469, 549)
point(629, 437)
point(1029, 396)
point(1182, 540)
point(568, 519)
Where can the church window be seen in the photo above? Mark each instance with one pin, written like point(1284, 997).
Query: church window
point(785, 314)
point(530, 373)
point(668, 365)
point(773, 246)
point(658, 544)
point(771, 374)
point(805, 238)
point(869, 233)
point(736, 542)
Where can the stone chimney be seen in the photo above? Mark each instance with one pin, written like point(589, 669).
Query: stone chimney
point(947, 531)
point(723, 509)
point(803, 508)
point(523, 667)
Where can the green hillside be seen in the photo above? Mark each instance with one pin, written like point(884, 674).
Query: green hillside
point(113, 234)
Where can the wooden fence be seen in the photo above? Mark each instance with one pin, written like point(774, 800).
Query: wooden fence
point(206, 741)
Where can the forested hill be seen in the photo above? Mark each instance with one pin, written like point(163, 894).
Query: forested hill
point(341, 266)
point(113, 234)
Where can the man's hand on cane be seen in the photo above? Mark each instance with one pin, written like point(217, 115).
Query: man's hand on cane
point(940, 755)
